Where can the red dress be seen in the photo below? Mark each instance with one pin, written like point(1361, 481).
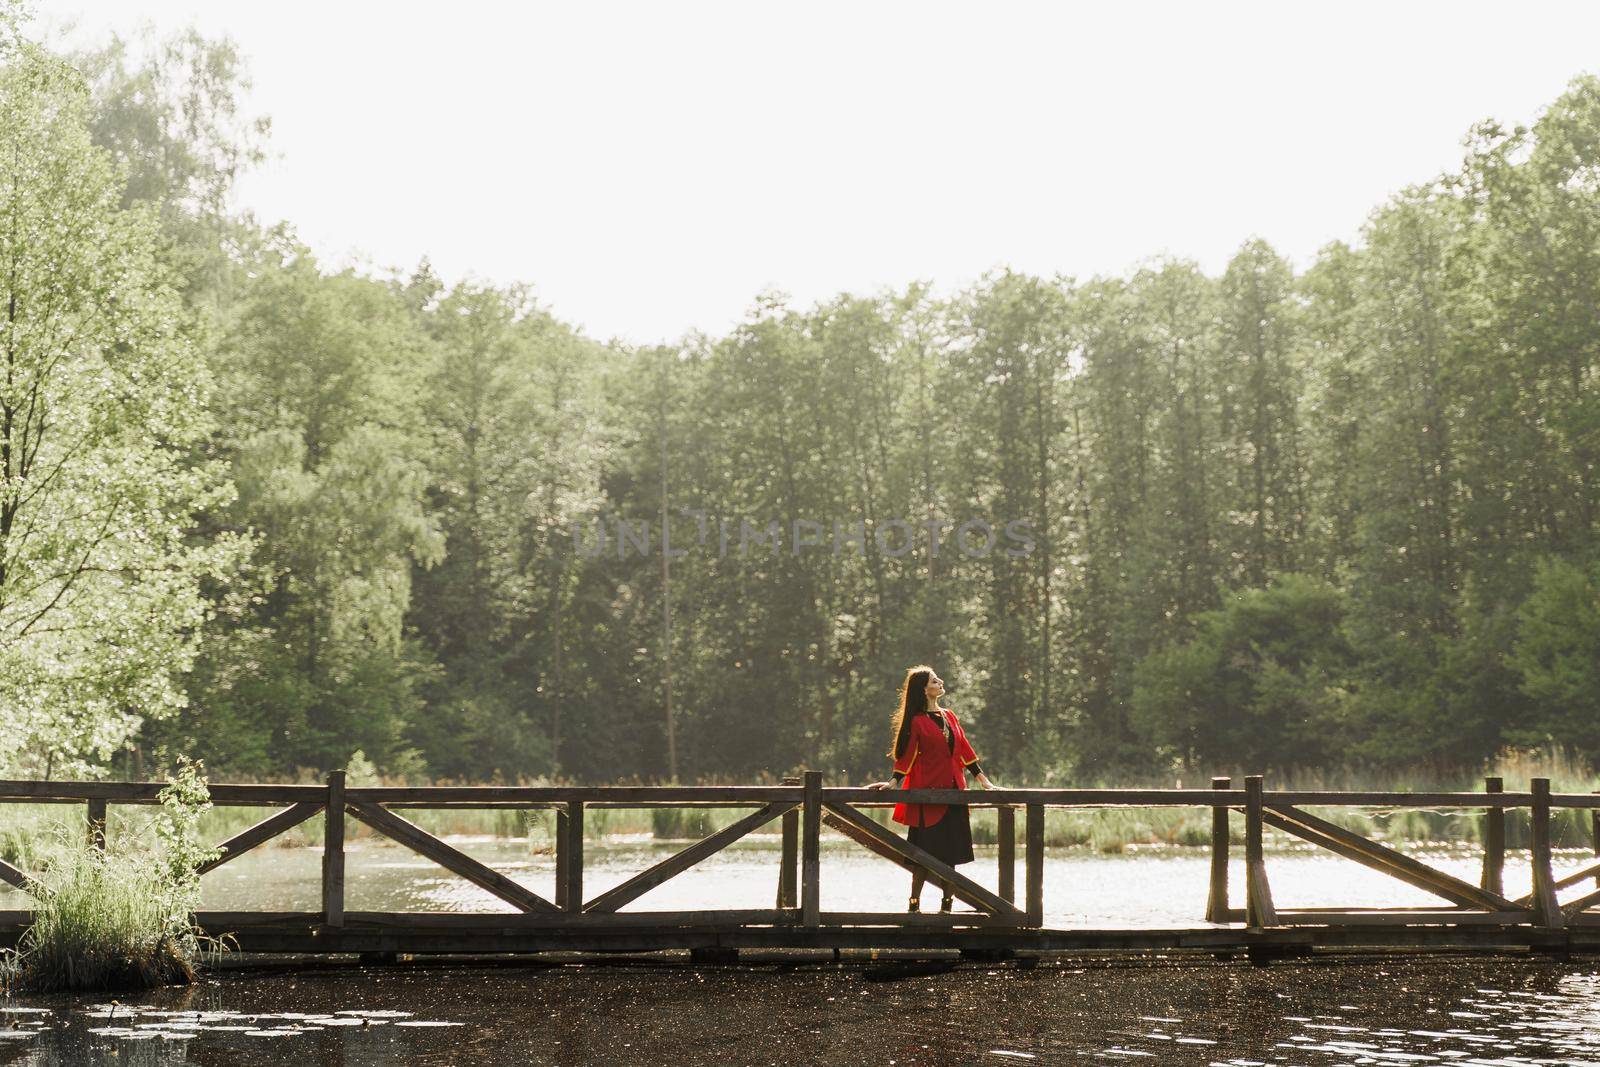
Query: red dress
point(931, 762)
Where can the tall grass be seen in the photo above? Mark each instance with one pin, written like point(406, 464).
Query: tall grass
point(121, 918)
point(105, 922)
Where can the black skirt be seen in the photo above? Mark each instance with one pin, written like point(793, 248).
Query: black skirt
point(949, 839)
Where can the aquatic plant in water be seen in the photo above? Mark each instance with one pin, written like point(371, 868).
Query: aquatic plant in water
point(121, 918)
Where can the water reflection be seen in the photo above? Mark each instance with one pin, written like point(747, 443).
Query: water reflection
point(1155, 886)
point(1408, 1011)
point(1143, 887)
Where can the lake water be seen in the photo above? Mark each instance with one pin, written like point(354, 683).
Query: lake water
point(1411, 1011)
point(766, 1010)
point(1158, 886)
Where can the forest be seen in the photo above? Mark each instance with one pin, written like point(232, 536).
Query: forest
point(283, 517)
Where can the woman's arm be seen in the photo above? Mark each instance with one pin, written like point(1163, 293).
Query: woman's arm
point(968, 757)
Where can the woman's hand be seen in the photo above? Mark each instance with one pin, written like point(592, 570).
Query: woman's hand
point(880, 785)
point(983, 780)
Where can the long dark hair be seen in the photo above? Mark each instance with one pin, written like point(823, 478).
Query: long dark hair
point(913, 701)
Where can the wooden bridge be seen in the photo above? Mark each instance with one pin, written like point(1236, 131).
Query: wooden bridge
point(1470, 915)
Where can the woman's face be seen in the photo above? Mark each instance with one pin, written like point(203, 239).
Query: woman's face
point(935, 688)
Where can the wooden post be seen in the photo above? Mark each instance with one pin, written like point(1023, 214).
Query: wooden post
point(1494, 840)
point(1544, 892)
point(1217, 899)
point(1258, 893)
point(561, 857)
point(789, 859)
point(1033, 862)
point(572, 871)
point(1006, 830)
point(811, 851)
point(333, 852)
point(1594, 837)
point(97, 824)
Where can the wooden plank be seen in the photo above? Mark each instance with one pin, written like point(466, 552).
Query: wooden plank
point(1583, 903)
point(261, 832)
point(1393, 799)
point(1580, 801)
point(507, 920)
point(902, 919)
point(572, 872)
point(96, 823)
point(645, 796)
point(1209, 941)
point(1073, 798)
point(789, 856)
point(1006, 832)
point(514, 933)
point(457, 862)
point(811, 848)
point(642, 795)
point(1401, 910)
point(216, 921)
point(676, 864)
point(222, 794)
point(250, 794)
point(1414, 917)
point(1568, 881)
point(892, 846)
point(126, 792)
point(17, 878)
point(1546, 910)
point(894, 849)
point(333, 851)
point(1217, 895)
point(1258, 891)
point(789, 921)
point(1494, 840)
point(1033, 863)
point(1396, 864)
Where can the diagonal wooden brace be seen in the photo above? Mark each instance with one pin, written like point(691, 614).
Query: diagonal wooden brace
point(646, 880)
point(1353, 846)
point(891, 846)
point(1567, 882)
point(423, 843)
point(1588, 900)
point(18, 879)
point(262, 832)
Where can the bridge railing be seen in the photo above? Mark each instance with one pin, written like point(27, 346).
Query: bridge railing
point(804, 806)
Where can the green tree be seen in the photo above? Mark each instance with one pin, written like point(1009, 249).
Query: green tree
point(1260, 685)
point(318, 396)
point(102, 399)
point(1557, 654)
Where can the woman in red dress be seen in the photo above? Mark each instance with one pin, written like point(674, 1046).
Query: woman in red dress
point(931, 751)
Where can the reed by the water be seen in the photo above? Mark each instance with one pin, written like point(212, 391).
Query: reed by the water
point(118, 918)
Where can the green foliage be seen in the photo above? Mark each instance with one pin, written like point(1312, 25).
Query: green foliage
point(1342, 518)
point(1557, 653)
point(121, 919)
point(1261, 684)
point(103, 402)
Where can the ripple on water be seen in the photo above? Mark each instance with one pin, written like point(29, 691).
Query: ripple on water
point(1326, 1012)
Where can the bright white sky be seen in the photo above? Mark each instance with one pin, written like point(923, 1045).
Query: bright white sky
point(650, 167)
